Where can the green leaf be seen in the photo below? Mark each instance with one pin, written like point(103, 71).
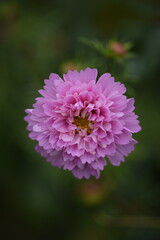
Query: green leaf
point(95, 44)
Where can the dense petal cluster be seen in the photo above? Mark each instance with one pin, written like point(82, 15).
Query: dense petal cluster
point(78, 122)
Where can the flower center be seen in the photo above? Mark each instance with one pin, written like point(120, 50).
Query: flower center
point(82, 123)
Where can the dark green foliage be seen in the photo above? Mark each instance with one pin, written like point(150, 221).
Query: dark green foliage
point(39, 201)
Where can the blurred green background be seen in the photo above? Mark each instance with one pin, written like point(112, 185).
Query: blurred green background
point(38, 201)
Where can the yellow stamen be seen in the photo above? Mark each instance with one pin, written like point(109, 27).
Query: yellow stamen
point(83, 123)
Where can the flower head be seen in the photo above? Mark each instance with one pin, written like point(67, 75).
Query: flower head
point(78, 122)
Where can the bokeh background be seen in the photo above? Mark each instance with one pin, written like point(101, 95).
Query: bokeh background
point(39, 201)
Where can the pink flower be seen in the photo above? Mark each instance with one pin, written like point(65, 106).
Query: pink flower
point(78, 122)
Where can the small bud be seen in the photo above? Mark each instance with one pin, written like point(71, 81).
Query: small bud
point(118, 48)
point(91, 193)
point(70, 65)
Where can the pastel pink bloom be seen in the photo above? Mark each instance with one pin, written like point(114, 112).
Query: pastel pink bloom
point(78, 122)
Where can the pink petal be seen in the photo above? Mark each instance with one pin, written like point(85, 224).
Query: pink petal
point(124, 137)
point(116, 159)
